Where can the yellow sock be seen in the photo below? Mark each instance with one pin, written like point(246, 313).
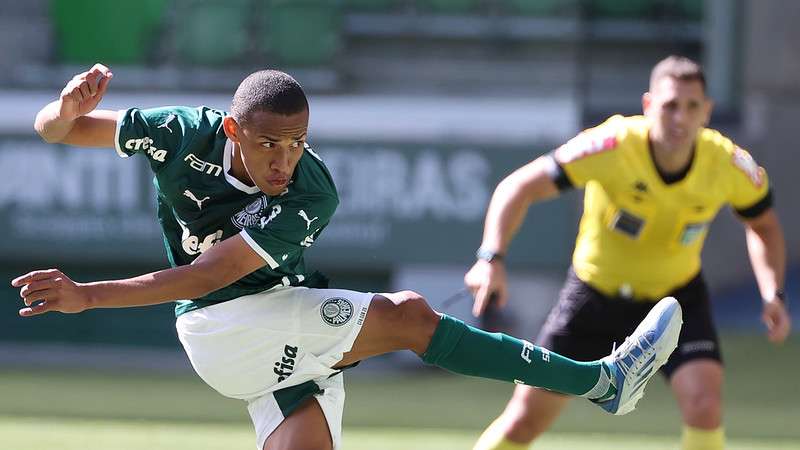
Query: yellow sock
point(700, 439)
point(493, 439)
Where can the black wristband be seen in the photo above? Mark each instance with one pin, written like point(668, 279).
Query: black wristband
point(780, 294)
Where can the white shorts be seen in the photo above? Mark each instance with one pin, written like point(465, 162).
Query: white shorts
point(275, 349)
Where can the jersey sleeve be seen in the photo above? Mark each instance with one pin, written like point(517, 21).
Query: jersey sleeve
point(289, 227)
point(158, 133)
point(750, 193)
point(584, 157)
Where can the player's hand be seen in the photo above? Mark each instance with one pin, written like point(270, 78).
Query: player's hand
point(84, 91)
point(487, 282)
point(50, 290)
point(777, 320)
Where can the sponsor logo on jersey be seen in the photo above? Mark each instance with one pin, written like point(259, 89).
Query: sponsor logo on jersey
point(285, 366)
point(272, 214)
point(203, 166)
point(748, 165)
point(336, 311)
point(170, 118)
point(583, 145)
point(305, 217)
point(146, 144)
point(251, 214)
point(191, 244)
point(188, 193)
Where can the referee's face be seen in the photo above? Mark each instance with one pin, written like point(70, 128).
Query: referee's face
point(677, 109)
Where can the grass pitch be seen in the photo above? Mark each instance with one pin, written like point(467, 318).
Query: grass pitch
point(93, 410)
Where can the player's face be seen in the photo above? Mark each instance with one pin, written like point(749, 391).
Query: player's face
point(272, 145)
point(677, 110)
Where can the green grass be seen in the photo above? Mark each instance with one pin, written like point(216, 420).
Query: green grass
point(69, 434)
point(93, 410)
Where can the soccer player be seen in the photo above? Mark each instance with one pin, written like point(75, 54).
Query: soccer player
point(653, 184)
point(241, 196)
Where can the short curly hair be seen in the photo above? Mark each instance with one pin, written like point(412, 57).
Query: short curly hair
point(268, 90)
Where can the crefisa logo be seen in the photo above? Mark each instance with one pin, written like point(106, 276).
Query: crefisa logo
point(285, 366)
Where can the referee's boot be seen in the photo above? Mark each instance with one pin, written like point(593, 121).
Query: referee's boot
point(634, 362)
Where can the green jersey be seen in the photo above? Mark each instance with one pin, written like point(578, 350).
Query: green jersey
point(200, 203)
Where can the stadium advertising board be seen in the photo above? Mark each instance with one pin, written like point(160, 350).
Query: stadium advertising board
point(399, 204)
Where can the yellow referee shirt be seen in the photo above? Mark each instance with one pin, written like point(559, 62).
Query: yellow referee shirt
point(640, 237)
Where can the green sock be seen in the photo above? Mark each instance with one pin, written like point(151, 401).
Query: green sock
point(466, 350)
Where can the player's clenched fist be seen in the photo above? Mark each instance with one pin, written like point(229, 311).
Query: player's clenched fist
point(50, 290)
point(84, 91)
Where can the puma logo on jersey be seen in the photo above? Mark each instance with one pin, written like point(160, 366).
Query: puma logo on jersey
point(170, 118)
point(191, 196)
point(305, 217)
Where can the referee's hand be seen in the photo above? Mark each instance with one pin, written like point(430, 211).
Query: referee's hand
point(487, 282)
point(777, 320)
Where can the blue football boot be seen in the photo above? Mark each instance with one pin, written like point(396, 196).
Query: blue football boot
point(634, 362)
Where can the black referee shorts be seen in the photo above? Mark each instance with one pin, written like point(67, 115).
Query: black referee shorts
point(585, 324)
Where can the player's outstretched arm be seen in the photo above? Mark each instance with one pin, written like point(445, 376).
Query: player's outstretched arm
point(72, 119)
point(767, 250)
point(50, 290)
point(530, 183)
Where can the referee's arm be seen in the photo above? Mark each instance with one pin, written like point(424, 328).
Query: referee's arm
point(512, 197)
point(533, 182)
point(767, 250)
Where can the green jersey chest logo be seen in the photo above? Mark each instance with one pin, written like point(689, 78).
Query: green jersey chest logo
point(251, 214)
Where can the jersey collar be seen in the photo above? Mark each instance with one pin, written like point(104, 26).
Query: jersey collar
point(226, 168)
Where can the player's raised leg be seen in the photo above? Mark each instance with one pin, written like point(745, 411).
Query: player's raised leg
point(405, 321)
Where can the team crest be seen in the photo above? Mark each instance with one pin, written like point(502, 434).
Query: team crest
point(251, 214)
point(336, 311)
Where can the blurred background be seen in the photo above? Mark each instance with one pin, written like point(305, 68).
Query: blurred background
point(419, 107)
